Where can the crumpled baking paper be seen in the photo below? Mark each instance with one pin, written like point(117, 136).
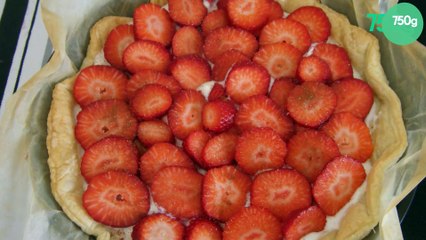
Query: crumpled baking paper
point(27, 207)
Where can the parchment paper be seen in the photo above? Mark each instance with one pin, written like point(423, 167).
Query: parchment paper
point(27, 208)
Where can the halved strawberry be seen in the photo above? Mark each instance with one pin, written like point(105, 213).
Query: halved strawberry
point(158, 226)
point(281, 191)
point(280, 59)
point(185, 115)
point(153, 23)
point(351, 135)
point(214, 19)
point(306, 221)
point(225, 192)
point(218, 116)
point(337, 59)
point(249, 15)
point(217, 92)
point(154, 131)
point(337, 183)
point(354, 96)
point(253, 223)
point(286, 30)
point(245, 80)
point(203, 229)
point(224, 63)
point(195, 143)
point(112, 153)
point(159, 156)
point(190, 71)
point(275, 11)
point(187, 12)
point(151, 101)
point(309, 151)
point(97, 82)
point(219, 150)
point(116, 199)
point(178, 191)
point(118, 39)
point(187, 41)
point(311, 103)
point(261, 111)
point(280, 90)
point(142, 54)
point(259, 149)
point(102, 119)
point(224, 39)
point(313, 69)
point(147, 76)
point(315, 20)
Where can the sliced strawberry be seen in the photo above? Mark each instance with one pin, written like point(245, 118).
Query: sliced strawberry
point(224, 63)
point(227, 38)
point(215, 19)
point(280, 91)
point(245, 80)
point(143, 54)
point(178, 191)
point(153, 23)
point(309, 151)
point(313, 69)
point(219, 150)
point(154, 131)
point(96, 82)
point(222, 4)
point(102, 119)
point(190, 71)
point(354, 96)
point(187, 41)
point(286, 30)
point(195, 143)
point(315, 20)
point(109, 154)
point(275, 11)
point(249, 15)
point(116, 199)
point(225, 192)
point(351, 135)
point(337, 59)
point(217, 92)
point(185, 115)
point(151, 101)
point(187, 12)
point(203, 229)
point(261, 111)
point(218, 116)
point(158, 226)
point(259, 149)
point(281, 191)
point(280, 59)
point(159, 156)
point(147, 76)
point(306, 221)
point(337, 183)
point(311, 103)
point(253, 223)
point(118, 39)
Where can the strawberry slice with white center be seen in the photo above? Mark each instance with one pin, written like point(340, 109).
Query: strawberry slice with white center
point(178, 191)
point(158, 226)
point(203, 229)
point(306, 221)
point(118, 39)
point(248, 14)
point(217, 93)
point(280, 91)
point(313, 69)
point(315, 20)
point(337, 59)
point(187, 12)
point(116, 199)
point(275, 11)
point(335, 186)
point(281, 191)
point(194, 145)
point(225, 62)
point(214, 19)
point(253, 223)
point(102, 119)
point(151, 101)
point(218, 116)
point(187, 41)
point(154, 131)
point(145, 54)
point(351, 135)
point(153, 23)
point(225, 192)
point(113, 153)
point(185, 115)
point(190, 71)
point(219, 150)
point(97, 82)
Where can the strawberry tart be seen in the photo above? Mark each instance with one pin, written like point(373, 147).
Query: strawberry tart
point(233, 120)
